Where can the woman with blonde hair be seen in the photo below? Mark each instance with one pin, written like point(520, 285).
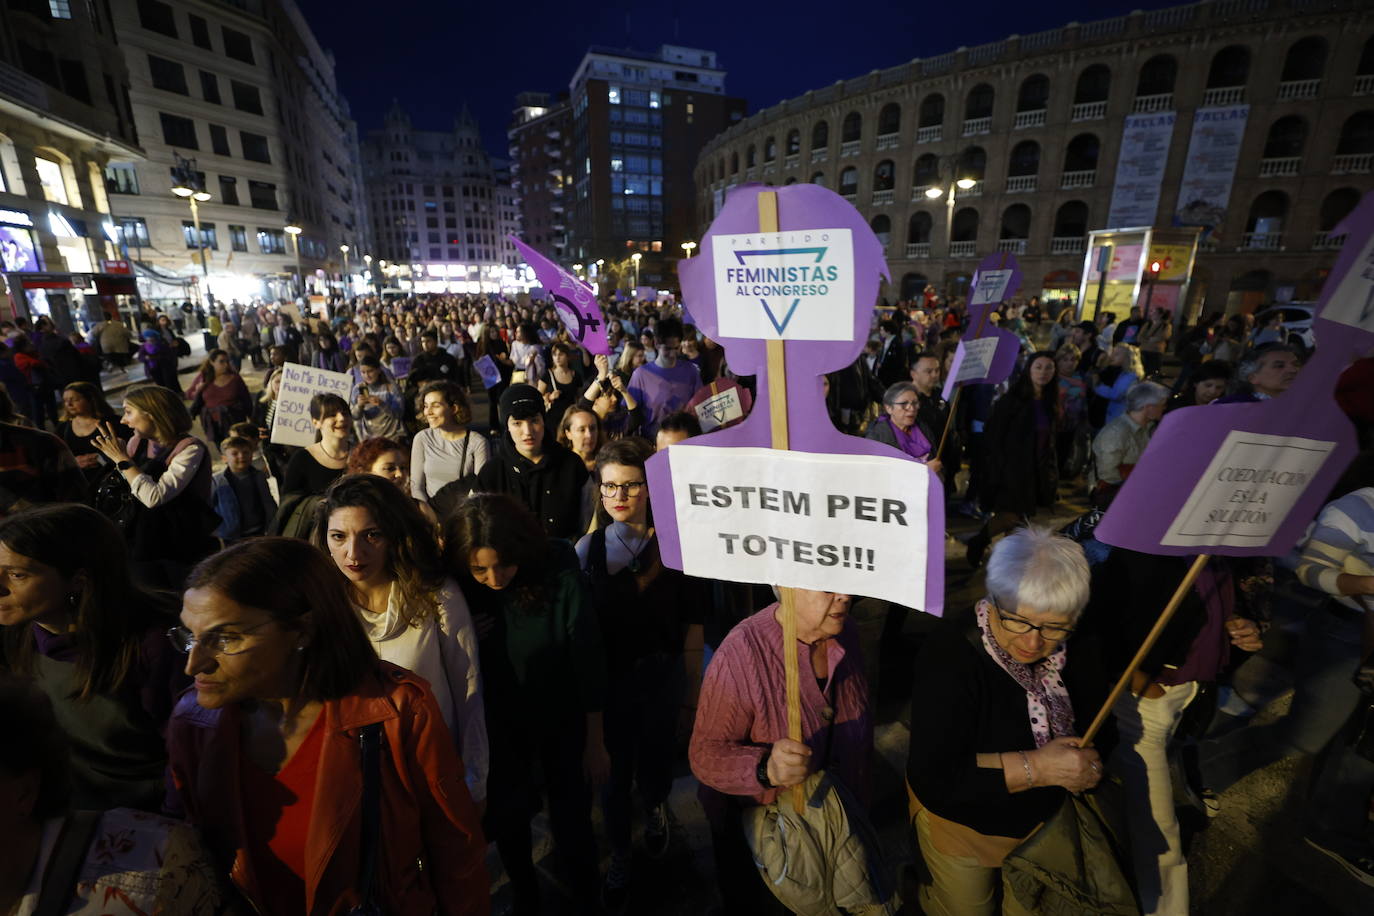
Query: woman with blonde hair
point(1124, 368)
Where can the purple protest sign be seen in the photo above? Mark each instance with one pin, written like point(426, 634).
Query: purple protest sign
point(1347, 300)
point(573, 300)
point(400, 366)
point(986, 354)
point(836, 512)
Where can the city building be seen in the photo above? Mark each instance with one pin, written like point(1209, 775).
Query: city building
point(441, 208)
point(638, 123)
point(64, 116)
point(1252, 120)
point(540, 134)
point(236, 102)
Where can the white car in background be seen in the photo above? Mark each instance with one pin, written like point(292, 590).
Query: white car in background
point(1297, 322)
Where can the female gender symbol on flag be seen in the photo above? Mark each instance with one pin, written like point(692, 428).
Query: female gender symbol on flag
point(573, 300)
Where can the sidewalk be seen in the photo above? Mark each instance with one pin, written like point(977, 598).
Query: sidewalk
point(114, 383)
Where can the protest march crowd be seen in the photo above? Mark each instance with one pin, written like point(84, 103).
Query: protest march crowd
point(240, 676)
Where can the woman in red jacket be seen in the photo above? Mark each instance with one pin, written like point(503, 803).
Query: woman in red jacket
point(267, 754)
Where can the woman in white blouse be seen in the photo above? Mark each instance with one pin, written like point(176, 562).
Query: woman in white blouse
point(414, 614)
point(447, 450)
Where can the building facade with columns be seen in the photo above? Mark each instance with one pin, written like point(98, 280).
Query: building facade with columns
point(1252, 120)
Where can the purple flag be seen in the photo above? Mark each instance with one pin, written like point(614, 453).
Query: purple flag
point(986, 354)
point(574, 301)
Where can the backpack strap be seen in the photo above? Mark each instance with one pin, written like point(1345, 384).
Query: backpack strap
point(370, 745)
point(64, 867)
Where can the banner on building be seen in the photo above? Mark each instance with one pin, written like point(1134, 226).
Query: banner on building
point(1145, 141)
point(1213, 151)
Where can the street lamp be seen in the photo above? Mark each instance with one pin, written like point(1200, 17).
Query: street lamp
point(635, 257)
point(688, 247)
point(345, 284)
point(960, 184)
point(294, 231)
point(188, 186)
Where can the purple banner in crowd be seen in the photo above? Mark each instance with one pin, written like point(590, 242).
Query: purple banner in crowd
point(835, 512)
point(574, 301)
point(986, 354)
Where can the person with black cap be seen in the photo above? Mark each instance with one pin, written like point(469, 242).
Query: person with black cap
point(534, 469)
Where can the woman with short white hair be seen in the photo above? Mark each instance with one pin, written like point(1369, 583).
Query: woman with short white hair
point(994, 719)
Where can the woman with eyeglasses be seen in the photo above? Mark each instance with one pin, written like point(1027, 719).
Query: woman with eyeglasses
point(321, 777)
point(998, 702)
point(648, 613)
point(897, 426)
point(72, 619)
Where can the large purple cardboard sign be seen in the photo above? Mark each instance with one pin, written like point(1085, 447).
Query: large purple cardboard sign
point(573, 300)
point(986, 354)
point(1246, 479)
point(836, 513)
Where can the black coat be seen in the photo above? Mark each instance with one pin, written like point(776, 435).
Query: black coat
point(551, 489)
point(1020, 476)
point(892, 366)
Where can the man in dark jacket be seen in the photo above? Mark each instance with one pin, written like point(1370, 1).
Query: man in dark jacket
point(891, 365)
point(433, 364)
point(536, 471)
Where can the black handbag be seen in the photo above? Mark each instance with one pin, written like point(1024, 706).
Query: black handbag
point(116, 501)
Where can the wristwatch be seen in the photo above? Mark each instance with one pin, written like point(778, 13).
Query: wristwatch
point(124, 465)
point(761, 772)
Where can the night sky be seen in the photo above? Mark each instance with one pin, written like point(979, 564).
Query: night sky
point(434, 55)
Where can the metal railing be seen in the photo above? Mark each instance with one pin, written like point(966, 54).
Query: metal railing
point(1327, 241)
point(1262, 241)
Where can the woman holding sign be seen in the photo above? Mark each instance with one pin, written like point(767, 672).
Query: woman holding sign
point(312, 469)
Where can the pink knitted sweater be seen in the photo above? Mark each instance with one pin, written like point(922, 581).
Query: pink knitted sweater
point(743, 710)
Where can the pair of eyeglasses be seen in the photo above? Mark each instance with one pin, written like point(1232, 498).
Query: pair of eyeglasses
point(633, 488)
point(1020, 627)
point(215, 642)
point(904, 405)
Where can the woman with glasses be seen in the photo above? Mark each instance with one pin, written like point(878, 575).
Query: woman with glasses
point(544, 685)
point(73, 620)
point(897, 426)
point(321, 777)
point(647, 612)
point(998, 701)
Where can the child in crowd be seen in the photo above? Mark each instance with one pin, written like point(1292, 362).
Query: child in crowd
point(241, 495)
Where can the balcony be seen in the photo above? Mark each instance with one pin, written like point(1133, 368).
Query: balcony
point(1011, 246)
point(1262, 241)
point(1072, 244)
point(1292, 90)
point(918, 249)
point(1228, 95)
point(1028, 119)
point(887, 141)
point(1353, 164)
point(555, 152)
point(935, 133)
point(850, 196)
point(1083, 179)
point(1021, 184)
point(918, 193)
point(751, 173)
point(849, 148)
point(1088, 111)
point(769, 169)
point(1327, 241)
point(975, 126)
point(1149, 104)
point(792, 161)
point(975, 191)
point(882, 197)
point(1285, 167)
point(963, 249)
point(1364, 85)
point(819, 155)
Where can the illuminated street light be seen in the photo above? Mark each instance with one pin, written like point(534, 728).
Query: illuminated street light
point(688, 247)
point(294, 231)
point(188, 186)
point(635, 258)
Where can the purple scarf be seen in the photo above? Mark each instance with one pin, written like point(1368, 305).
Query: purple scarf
point(913, 443)
point(1047, 699)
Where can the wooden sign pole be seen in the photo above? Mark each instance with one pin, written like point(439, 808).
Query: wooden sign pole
point(1145, 648)
point(777, 411)
point(958, 389)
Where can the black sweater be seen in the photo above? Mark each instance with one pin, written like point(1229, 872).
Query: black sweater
point(964, 705)
point(551, 489)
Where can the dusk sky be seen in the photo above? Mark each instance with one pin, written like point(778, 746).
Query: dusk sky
point(434, 55)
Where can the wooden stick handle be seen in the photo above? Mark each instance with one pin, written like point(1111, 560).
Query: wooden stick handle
point(1124, 681)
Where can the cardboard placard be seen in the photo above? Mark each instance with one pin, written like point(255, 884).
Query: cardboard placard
point(488, 371)
point(291, 423)
point(400, 367)
point(784, 285)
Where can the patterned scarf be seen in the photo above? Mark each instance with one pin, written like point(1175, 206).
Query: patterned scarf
point(1047, 700)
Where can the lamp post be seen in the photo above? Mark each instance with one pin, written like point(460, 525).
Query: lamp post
point(381, 265)
point(189, 186)
point(345, 284)
point(636, 258)
point(293, 230)
point(961, 184)
point(689, 247)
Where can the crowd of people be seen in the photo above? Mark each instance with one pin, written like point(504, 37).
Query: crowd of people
point(238, 675)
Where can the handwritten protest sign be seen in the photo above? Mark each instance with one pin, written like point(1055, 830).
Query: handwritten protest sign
point(573, 300)
point(291, 423)
point(400, 366)
point(986, 354)
point(488, 371)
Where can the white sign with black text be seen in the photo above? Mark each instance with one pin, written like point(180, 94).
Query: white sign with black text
point(291, 423)
point(785, 285)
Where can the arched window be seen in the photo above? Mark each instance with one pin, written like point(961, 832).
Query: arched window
point(932, 111)
point(820, 135)
point(1357, 135)
point(973, 163)
point(1306, 59)
point(734, 163)
point(964, 228)
point(1094, 84)
point(1081, 153)
point(1286, 138)
point(849, 181)
point(1157, 76)
point(1071, 220)
point(918, 228)
point(1336, 207)
point(1034, 94)
point(749, 157)
point(853, 127)
point(979, 102)
point(882, 228)
point(913, 285)
point(1016, 221)
point(890, 119)
point(818, 178)
point(1025, 158)
point(1264, 226)
point(793, 142)
point(926, 172)
point(884, 176)
point(1230, 67)
point(770, 149)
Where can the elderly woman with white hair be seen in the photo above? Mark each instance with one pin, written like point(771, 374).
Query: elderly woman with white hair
point(994, 718)
point(1122, 441)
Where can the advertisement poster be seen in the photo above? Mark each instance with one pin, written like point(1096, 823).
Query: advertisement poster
point(1213, 151)
point(1145, 141)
